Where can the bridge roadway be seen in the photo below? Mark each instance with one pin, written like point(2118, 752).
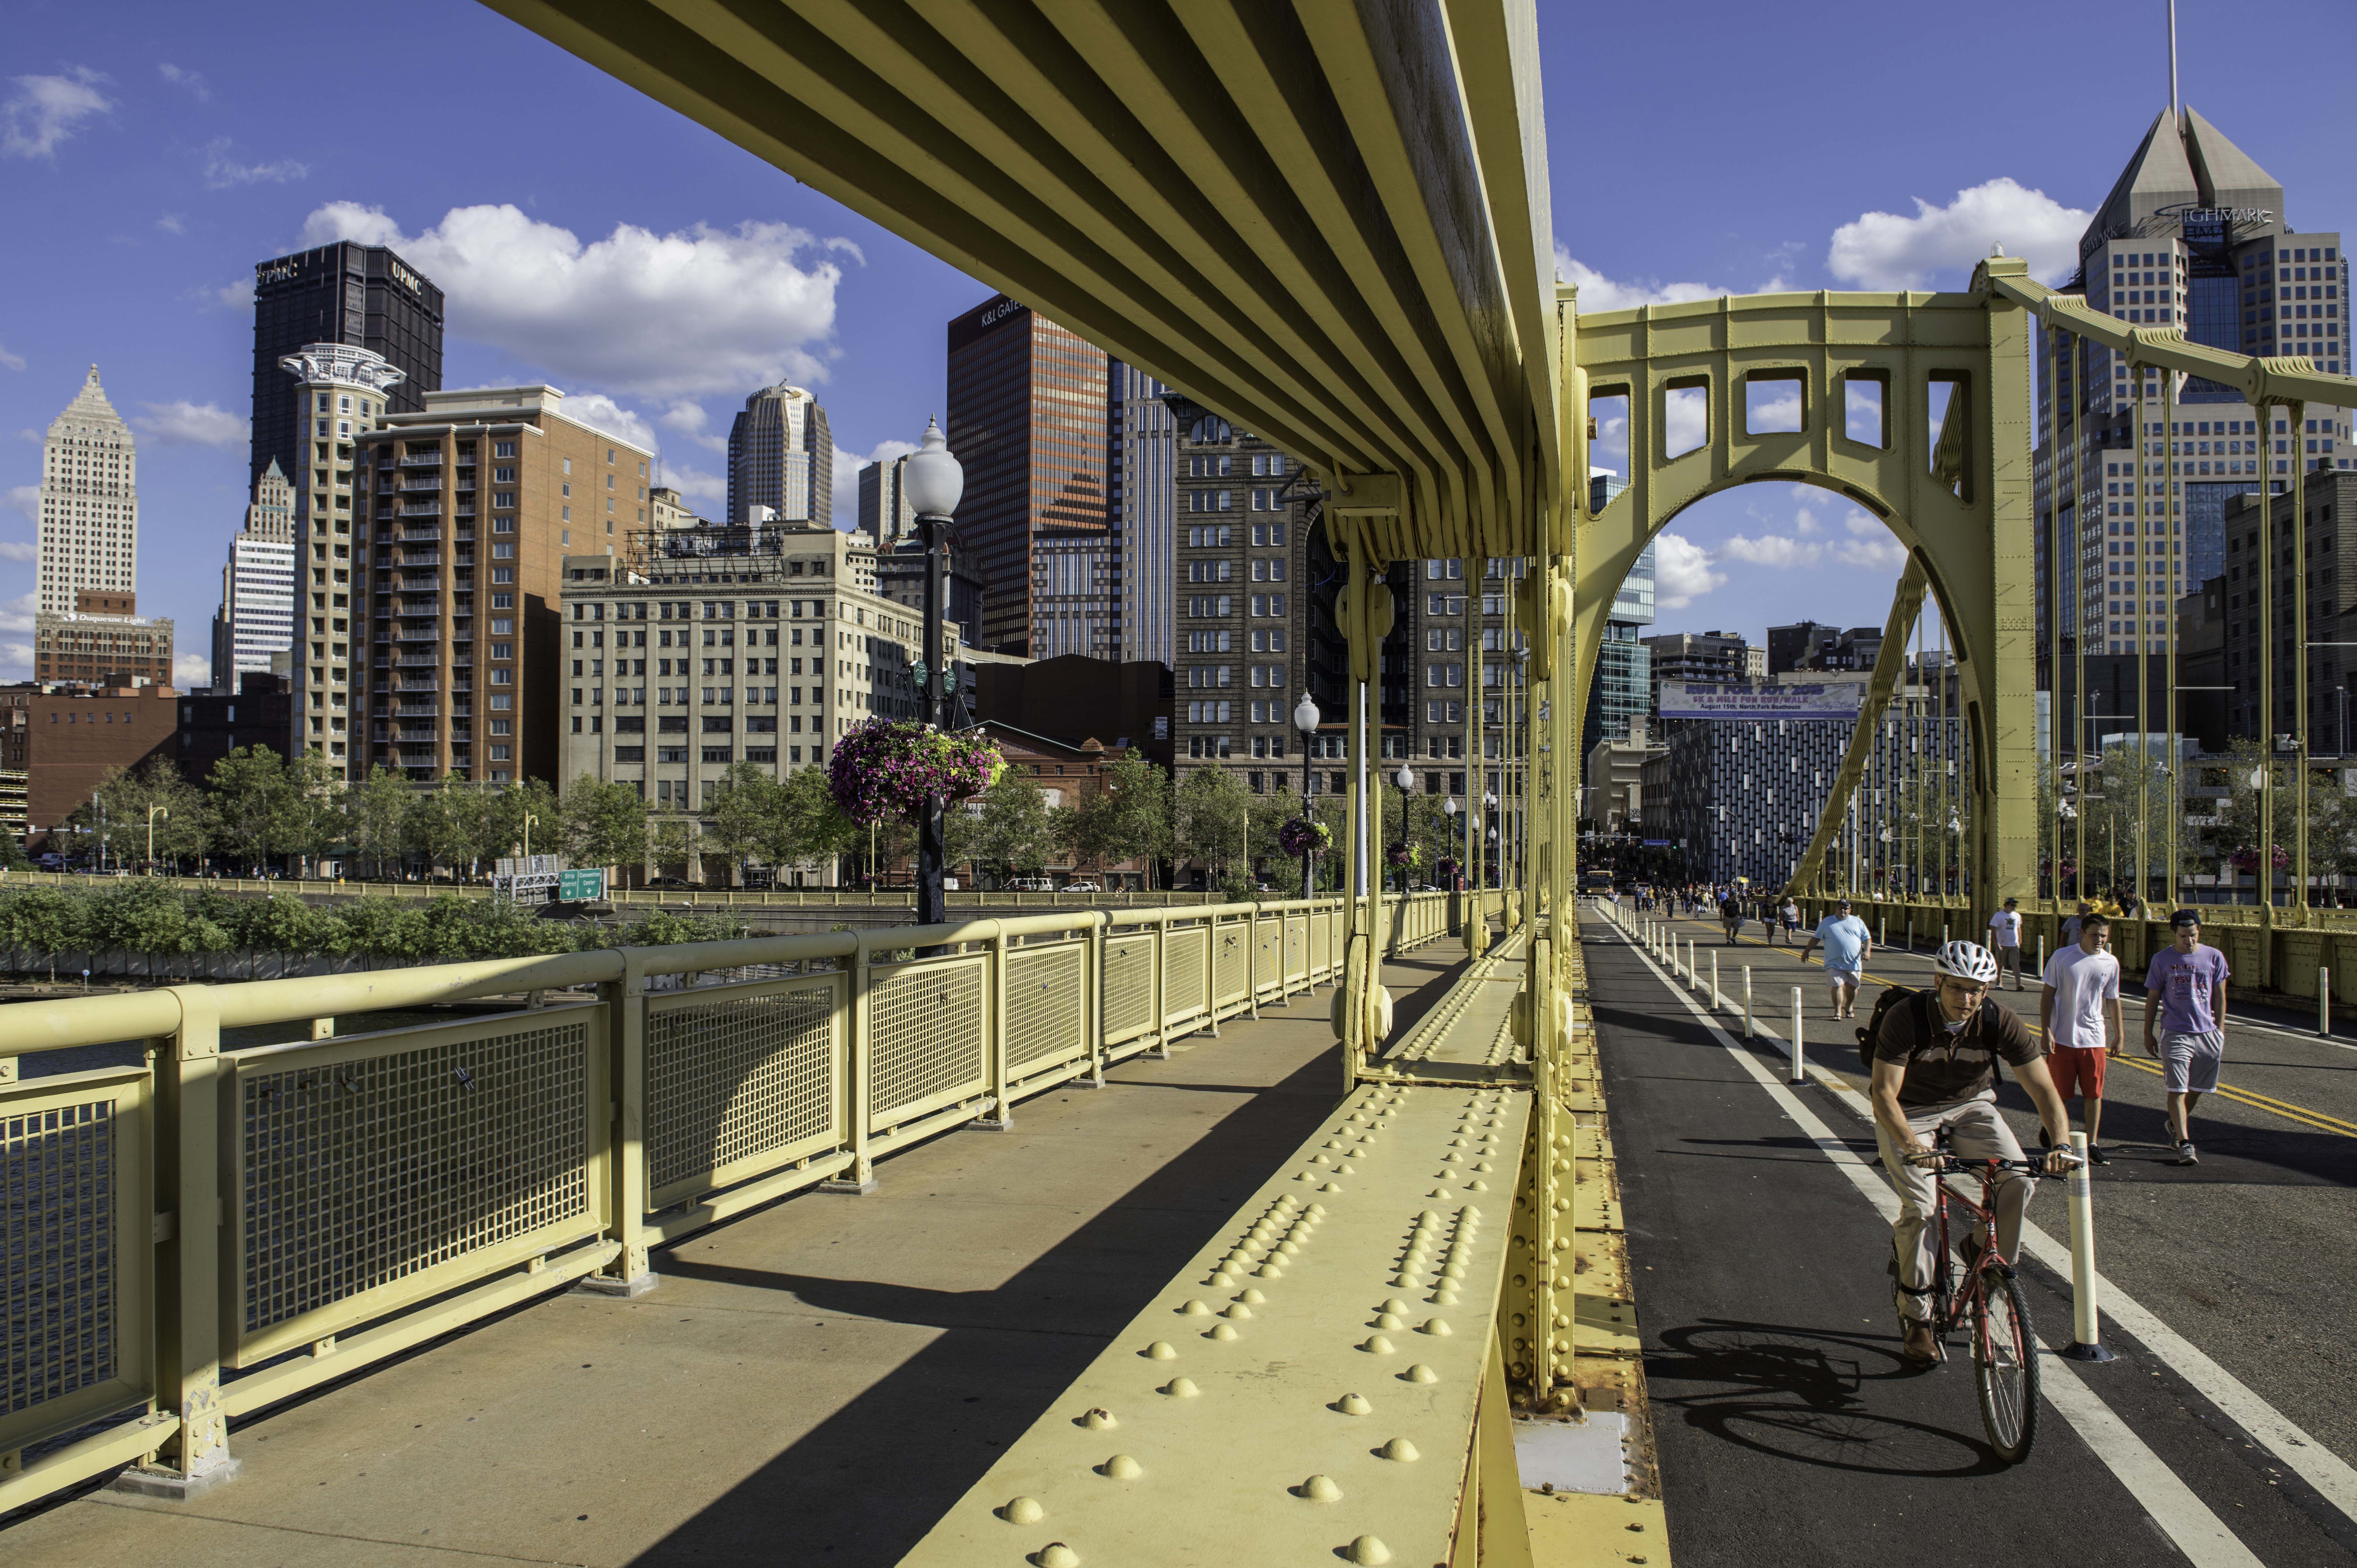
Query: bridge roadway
point(814, 1384)
point(1781, 1409)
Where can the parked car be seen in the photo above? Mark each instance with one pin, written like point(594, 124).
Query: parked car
point(1031, 885)
point(1083, 887)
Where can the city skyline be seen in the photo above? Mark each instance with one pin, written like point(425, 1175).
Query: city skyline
point(180, 178)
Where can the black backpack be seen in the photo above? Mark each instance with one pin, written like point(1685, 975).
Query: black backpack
point(1892, 995)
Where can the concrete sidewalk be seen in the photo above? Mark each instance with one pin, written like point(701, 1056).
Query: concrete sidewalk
point(815, 1383)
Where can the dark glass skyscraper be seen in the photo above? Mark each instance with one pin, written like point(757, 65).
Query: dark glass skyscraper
point(362, 296)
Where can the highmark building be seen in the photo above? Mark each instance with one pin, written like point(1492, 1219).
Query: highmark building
point(2195, 236)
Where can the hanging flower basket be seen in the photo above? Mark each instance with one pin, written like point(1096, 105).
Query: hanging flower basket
point(885, 769)
point(1409, 855)
point(1305, 835)
point(2248, 859)
point(1448, 870)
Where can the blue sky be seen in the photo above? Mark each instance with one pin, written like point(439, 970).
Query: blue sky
point(150, 154)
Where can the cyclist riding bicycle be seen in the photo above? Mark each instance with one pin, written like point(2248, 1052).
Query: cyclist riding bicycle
point(1934, 1072)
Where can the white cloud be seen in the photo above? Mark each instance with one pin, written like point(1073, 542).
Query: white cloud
point(20, 550)
point(601, 412)
point(185, 423)
point(222, 171)
point(26, 499)
point(1598, 292)
point(193, 81)
point(237, 296)
point(191, 669)
point(1885, 251)
point(669, 316)
point(1681, 572)
point(171, 224)
point(47, 109)
point(689, 419)
point(14, 362)
point(1869, 546)
point(1771, 550)
point(696, 485)
point(16, 613)
point(16, 656)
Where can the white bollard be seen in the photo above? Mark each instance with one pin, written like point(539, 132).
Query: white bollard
point(1799, 1069)
point(2324, 1002)
point(1747, 1001)
point(2041, 956)
point(2086, 1314)
point(1714, 1002)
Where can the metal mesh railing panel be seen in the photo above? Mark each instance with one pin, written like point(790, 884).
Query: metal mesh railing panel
point(1047, 1004)
point(362, 1171)
point(738, 1079)
point(1268, 952)
point(61, 1280)
point(1296, 949)
point(1128, 987)
point(1229, 982)
point(1182, 972)
point(924, 1032)
point(1322, 936)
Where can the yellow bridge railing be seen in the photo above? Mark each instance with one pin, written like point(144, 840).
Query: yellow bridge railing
point(214, 1229)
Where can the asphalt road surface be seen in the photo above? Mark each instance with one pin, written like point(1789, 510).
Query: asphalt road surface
point(1791, 1430)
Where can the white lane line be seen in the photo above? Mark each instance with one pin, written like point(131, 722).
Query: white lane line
point(2197, 1532)
point(2332, 1477)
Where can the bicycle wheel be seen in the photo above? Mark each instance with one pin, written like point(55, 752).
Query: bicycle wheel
point(2004, 1364)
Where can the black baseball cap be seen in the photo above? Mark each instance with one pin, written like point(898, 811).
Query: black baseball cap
point(2182, 918)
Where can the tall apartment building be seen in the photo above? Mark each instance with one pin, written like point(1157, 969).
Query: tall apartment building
point(782, 455)
point(256, 618)
point(343, 393)
point(2193, 236)
point(465, 678)
point(2331, 536)
point(1074, 599)
point(1028, 417)
point(90, 503)
point(1621, 687)
point(680, 662)
point(885, 513)
point(1683, 655)
point(1142, 492)
point(103, 641)
point(362, 296)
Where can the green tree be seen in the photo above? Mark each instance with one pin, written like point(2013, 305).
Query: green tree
point(743, 811)
point(1014, 832)
point(603, 823)
point(309, 822)
point(245, 803)
point(1211, 818)
point(156, 785)
point(374, 812)
point(382, 928)
point(810, 825)
point(439, 825)
point(1127, 819)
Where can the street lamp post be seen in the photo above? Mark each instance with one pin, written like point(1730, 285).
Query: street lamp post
point(935, 481)
point(1406, 782)
point(529, 818)
point(1305, 720)
point(1489, 809)
point(154, 812)
point(1448, 834)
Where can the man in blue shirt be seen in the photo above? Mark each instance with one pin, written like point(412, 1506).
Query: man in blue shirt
point(1848, 944)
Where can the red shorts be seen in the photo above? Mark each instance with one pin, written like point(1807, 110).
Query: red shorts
point(2075, 1070)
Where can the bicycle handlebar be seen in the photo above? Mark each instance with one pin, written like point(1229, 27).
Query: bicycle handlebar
point(1946, 1164)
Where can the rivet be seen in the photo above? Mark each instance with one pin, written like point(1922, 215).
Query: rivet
point(1098, 1419)
point(1055, 1554)
point(1437, 1192)
point(1437, 1327)
point(1353, 1404)
point(1319, 1489)
point(1269, 1272)
point(1023, 1511)
point(1427, 1218)
point(1397, 1305)
point(1315, 1208)
point(1196, 1309)
point(1391, 1320)
point(1289, 1249)
point(1444, 1298)
point(1223, 1279)
point(1121, 1467)
point(1237, 1310)
point(1398, 1448)
point(1160, 1350)
point(1367, 1549)
point(1328, 1187)
point(1220, 1331)
point(1419, 1373)
point(1345, 1168)
point(1449, 1158)
point(1180, 1388)
point(1477, 1185)
point(1377, 1345)
point(1252, 1297)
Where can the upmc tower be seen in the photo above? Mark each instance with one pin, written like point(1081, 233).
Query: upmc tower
point(363, 296)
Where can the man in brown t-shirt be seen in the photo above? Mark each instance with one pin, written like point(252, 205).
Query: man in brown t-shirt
point(1934, 1068)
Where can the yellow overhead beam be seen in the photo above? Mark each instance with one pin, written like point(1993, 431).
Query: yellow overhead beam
point(1325, 221)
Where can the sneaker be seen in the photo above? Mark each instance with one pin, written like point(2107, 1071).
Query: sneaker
point(2185, 1154)
point(2096, 1155)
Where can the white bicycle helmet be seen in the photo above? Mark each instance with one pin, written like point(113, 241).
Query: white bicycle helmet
point(1967, 961)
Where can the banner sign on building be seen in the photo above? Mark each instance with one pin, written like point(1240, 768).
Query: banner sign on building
point(1708, 700)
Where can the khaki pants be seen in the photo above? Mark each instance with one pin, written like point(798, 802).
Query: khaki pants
point(1976, 1132)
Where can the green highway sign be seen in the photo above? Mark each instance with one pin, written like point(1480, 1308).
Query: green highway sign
point(574, 885)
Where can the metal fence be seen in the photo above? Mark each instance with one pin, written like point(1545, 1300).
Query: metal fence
point(207, 1234)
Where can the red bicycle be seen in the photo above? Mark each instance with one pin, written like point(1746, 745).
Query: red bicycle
point(1987, 1299)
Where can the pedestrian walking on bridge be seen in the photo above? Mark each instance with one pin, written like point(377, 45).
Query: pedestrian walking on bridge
point(2004, 940)
point(2079, 1011)
point(2185, 1006)
point(1849, 943)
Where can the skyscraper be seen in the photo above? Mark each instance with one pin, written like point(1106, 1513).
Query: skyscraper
point(2193, 236)
point(885, 514)
point(89, 504)
point(363, 296)
point(256, 618)
point(1141, 496)
point(782, 455)
point(1027, 419)
point(1621, 687)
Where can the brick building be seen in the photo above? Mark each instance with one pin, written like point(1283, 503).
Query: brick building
point(58, 743)
point(103, 640)
point(214, 724)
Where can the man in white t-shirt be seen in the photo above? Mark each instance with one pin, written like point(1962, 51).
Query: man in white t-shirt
point(2079, 1010)
point(1848, 944)
point(2005, 940)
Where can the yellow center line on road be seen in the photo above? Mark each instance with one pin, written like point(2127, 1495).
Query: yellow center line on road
point(2288, 1109)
